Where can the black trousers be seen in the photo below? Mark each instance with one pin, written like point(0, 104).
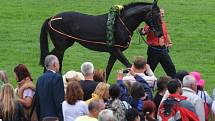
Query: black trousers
point(160, 55)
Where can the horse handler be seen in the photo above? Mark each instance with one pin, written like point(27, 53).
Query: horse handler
point(158, 48)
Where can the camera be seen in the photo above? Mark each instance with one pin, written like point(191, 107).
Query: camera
point(125, 71)
point(141, 31)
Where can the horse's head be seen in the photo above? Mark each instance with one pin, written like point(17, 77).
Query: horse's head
point(154, 20)
point(135, 13)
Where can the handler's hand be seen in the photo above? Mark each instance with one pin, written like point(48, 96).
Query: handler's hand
point(169, 45)
point(147, 66)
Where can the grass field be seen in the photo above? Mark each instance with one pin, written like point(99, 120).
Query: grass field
point(191, 24)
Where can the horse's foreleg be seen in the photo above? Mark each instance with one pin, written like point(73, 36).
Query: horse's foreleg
point(111, 61)
point(121, 57)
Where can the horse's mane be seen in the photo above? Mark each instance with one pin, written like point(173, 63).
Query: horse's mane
point(130, 5)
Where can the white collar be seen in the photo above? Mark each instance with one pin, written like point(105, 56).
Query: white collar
point(188, 89)
point(52, 70)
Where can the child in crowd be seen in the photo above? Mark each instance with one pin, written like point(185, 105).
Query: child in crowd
point(161, 89)
point(149, 110)
point(115, 104)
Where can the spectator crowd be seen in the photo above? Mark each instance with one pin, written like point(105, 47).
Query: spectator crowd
point(136, 95)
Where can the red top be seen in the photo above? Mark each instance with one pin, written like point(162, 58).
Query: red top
point(185, 109)
point(152, 39)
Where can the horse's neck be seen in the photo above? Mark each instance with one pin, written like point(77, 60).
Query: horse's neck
point(134, 19)
point(132, 25)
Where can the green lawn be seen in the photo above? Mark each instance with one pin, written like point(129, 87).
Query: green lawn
point(191, 24)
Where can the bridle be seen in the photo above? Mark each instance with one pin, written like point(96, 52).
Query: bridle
point(141, 36)
point(151, 28)
point(152, 24)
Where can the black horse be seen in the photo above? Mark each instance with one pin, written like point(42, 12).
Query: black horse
point(90, 31)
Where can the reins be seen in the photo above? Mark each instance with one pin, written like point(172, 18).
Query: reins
point(141, 36)
point(87, 41)
point(125, 28)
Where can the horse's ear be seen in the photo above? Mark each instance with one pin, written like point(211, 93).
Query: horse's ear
point(154, 4)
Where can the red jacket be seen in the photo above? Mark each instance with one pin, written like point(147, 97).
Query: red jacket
point(152, 39)
point(185, 110)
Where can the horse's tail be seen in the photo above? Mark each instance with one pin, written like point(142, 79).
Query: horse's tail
point(44, 49)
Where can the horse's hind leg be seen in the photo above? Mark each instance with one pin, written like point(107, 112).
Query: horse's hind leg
point(59, 52)
point(61, 44)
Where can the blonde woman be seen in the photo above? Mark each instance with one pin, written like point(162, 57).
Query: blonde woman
point(10, 109)
point(71, 76)
point(101, 92)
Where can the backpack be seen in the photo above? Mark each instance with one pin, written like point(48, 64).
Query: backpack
point(119, 108)
point(32, 113)
point(169, 110)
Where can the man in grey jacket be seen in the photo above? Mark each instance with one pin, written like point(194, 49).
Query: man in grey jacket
point(189, 90)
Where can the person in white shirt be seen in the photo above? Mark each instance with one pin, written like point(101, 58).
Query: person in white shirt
point(142, 69)
point(74, 106)
point(189, 90)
